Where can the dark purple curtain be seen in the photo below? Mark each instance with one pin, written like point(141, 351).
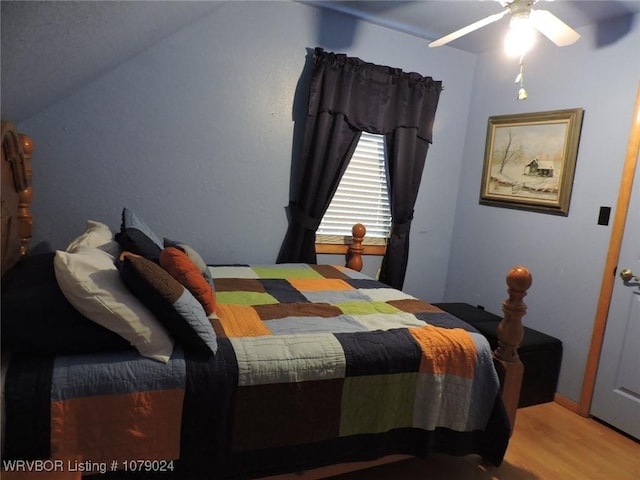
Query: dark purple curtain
point(405, 154)
point(348, 96)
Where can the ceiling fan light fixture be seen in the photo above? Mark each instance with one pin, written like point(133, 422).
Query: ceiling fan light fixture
point(520, 37)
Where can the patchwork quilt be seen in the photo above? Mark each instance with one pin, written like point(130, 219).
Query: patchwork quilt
point(315, 365)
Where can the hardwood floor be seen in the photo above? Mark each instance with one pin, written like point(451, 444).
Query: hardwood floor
point(552, 442)
point(549, 443)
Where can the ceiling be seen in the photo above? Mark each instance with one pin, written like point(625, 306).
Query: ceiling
point(433, 19)
point(45, 54)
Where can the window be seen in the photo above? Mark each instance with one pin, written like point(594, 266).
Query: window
point(361, 197)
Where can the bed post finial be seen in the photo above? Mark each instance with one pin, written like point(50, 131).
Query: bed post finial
point(510, 330)
point(510, 334)
point(354, 255)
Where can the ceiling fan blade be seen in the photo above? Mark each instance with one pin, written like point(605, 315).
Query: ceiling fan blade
point(553, 28)
point(468, 29)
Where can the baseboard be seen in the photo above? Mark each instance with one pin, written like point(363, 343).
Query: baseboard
point(566, 403)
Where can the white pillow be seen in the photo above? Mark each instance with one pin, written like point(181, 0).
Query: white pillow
point(91, 282)
point(96, 235)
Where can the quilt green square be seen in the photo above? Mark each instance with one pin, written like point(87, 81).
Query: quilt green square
point(366, 308)
point(286, 272)
point(245, 298)
point(377, 403)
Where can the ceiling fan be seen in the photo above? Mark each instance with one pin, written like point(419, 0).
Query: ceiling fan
point(523, 15)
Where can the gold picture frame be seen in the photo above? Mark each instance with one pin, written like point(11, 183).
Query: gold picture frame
point(530, 160)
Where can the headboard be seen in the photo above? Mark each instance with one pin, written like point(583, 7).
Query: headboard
point(17, 221)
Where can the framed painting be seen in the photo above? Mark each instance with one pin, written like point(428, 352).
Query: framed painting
point(530, 160)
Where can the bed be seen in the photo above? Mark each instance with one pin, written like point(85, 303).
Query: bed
point(229, 371)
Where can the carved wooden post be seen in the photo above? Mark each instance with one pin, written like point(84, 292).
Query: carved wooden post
point(25, 218)
point(16, 195)
point(354, 255)
point(510, 333)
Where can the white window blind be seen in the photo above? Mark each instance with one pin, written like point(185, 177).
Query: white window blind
point(361, 197)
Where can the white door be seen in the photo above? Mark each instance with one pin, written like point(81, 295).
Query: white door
point(616, 398)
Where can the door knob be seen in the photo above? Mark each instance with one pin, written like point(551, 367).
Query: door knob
point(627, 276)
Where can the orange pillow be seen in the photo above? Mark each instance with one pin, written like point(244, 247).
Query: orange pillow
point(182, 268)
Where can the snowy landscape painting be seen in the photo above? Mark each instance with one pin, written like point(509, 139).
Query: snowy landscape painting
point(530, 160)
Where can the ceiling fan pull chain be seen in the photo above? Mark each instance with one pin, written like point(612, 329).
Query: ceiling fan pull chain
point(522, 93)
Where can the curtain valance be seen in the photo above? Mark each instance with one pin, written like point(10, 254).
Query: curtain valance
point(372, 98)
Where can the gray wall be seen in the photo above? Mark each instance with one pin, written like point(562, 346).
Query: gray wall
point(197, 133)
point(565, 254)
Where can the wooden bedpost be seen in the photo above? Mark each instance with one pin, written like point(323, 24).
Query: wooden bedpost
point(510, 334)
point(25, 218)
point(16, 195)
point(354, 255)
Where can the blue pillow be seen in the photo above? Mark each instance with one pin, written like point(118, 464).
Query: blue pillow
point(172, 304)
point(131, 220)
point(135, 241)
point(135, 236)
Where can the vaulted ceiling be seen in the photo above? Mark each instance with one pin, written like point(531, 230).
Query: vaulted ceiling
point(51, 47)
